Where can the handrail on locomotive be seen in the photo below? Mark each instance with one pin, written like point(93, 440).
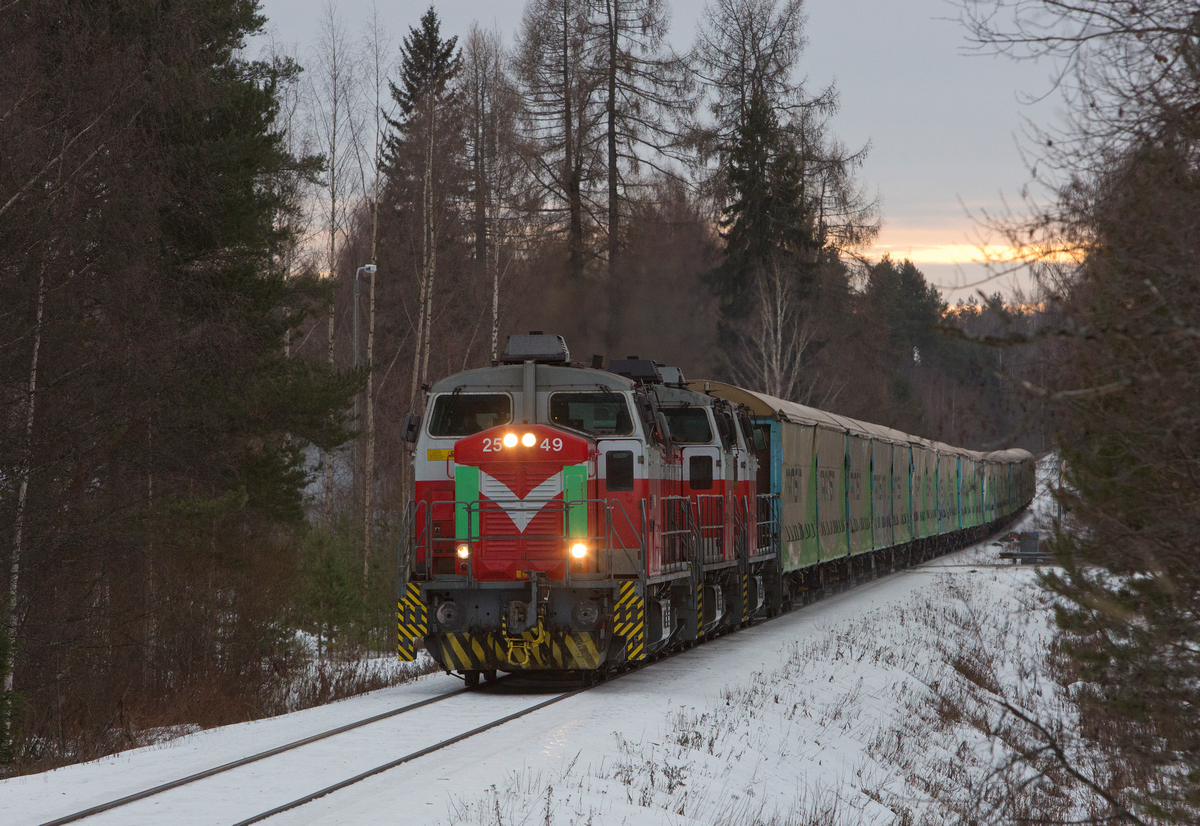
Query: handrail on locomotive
point(419, 514)
point(690, 526)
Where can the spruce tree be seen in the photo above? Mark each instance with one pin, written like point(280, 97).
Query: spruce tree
point(424, 164)
point(911, 308)
point(428, 66)
point(768, 221)
point(163, 463)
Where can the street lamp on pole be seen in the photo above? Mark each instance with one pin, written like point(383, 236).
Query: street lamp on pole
point(369, 269)
point(368, 448)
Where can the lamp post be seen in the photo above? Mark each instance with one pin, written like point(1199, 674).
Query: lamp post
point(369, 269)
point(368, 448)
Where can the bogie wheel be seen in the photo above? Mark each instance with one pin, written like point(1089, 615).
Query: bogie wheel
point(489, 676)
point(471, 678)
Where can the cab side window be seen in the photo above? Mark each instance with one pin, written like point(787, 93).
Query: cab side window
point(700, 472)
point(618, 470)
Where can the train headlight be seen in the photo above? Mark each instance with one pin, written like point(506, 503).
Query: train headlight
point(463, 551)
point(510, 439)
point(579, 550)
point(529, 440)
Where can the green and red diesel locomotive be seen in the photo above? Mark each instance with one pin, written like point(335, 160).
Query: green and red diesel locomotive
point(576, 519)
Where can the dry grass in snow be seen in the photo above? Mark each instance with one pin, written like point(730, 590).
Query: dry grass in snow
point(895, 717)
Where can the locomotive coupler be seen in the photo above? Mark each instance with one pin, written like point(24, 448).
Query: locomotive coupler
point(519, 618)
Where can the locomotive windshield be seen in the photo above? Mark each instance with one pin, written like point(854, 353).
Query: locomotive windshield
point(465, 414)
point(600, 414)
point(689, 425)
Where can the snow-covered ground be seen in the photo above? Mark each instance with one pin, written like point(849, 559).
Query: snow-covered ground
point(828, 714)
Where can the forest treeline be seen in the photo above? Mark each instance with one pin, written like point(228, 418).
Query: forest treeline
point(225, 280)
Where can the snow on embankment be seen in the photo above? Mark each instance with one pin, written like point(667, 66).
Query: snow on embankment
point(863, 708)
point(843, 728)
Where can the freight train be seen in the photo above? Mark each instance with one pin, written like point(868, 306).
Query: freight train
point(578, 519)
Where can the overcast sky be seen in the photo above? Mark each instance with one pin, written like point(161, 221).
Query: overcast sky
point(945, 128)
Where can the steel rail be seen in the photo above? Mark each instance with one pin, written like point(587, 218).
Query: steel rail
point(458, 738)
point(192, 778)
point(358, 778)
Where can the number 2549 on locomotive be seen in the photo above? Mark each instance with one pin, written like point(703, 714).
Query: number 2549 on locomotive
point(553, 528)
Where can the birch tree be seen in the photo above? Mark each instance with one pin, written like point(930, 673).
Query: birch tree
point(491, 113)
point(333, 91)
point(369, 146)
point(782, 332)
point(56, 148)
point(23, 470)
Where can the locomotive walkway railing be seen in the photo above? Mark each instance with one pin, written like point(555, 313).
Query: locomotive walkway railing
point(741, 529)
point(769, 520)
point(679, 535)
point(692, 532)
point(619, 541)
point(709, 516)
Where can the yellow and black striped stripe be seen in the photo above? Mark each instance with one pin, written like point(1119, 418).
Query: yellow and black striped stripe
point(745, 595)
point(485, 650)
point(629, 620)
point(412, 622)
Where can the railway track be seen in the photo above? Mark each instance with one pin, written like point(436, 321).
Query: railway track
point(417, 753)
point(244, 771)
point(391, 764)
point(416, 738)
